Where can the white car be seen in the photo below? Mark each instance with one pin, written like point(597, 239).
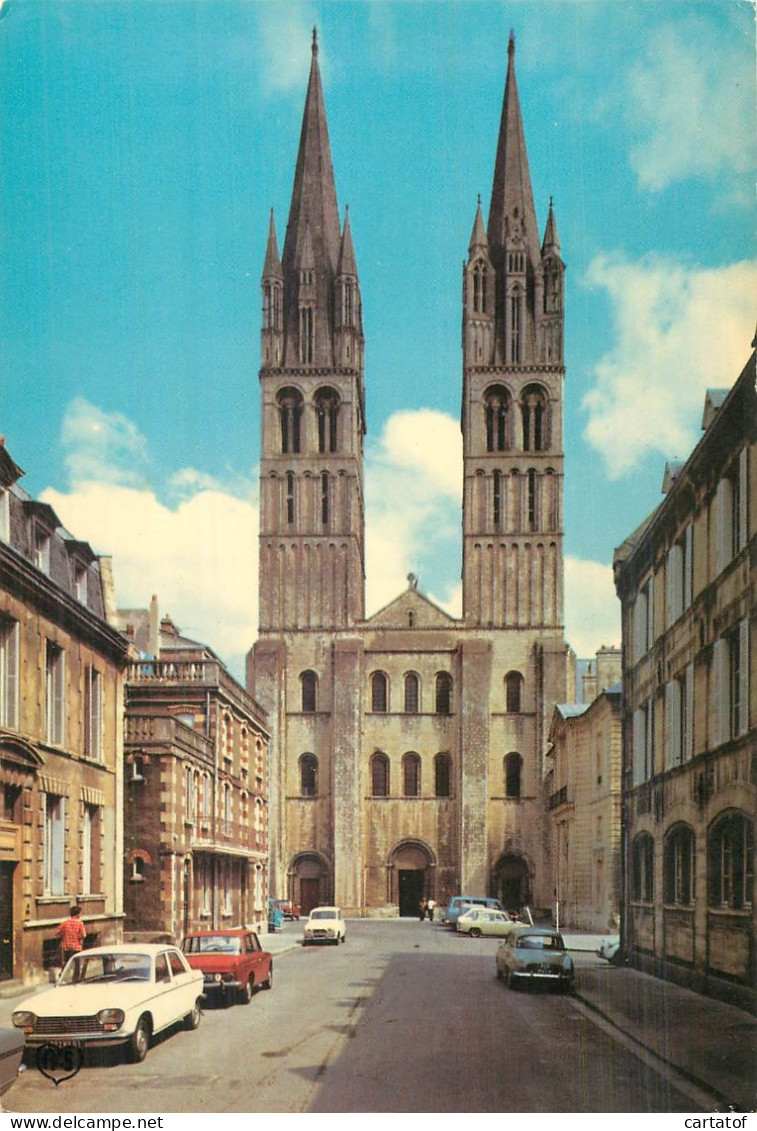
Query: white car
point(478, 921)
point(115, 995)
point(325, 925)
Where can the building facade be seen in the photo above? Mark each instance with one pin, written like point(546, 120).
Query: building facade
point(61, 746)
point(195, 788)
point(687, 580)
point(407, 747)
point(583, 795)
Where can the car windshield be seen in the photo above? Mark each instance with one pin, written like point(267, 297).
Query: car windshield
point(326, 913)
point(85, 969)
point(540, 942)
point(213, 944)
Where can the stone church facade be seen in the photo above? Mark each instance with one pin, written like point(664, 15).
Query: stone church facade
point(407, 750)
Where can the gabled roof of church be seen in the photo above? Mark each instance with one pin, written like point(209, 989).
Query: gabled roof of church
point(425, 613)
point(511, 189)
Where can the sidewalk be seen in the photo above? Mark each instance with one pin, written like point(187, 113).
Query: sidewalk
point(714, 1045)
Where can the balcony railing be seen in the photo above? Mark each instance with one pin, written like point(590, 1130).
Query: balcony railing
point(230, 833)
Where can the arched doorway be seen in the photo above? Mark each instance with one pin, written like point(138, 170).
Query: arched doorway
point(412, 871)
point(512, 881)
point(309, 881)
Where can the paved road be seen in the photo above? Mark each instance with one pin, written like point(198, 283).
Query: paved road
point(405, 1017)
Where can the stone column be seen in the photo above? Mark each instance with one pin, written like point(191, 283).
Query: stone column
point(346, 774)
point(472, 702)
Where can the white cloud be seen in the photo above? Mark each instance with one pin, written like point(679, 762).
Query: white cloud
point(286, 35)
point(592, 609)
point(103, 446)
point(679, 331)
point(690, 103)
point(413, 481)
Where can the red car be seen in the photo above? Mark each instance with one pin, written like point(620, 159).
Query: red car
point(288, 908)
point(233, 963)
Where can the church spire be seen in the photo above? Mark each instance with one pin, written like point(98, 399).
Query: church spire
point(313, 216)
point(512, 204)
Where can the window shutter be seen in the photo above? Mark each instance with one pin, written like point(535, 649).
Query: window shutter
point(688, 567)
point(650, 637)
point(11, 676)
point(723, 524)
point(720, 691)
point(688, 714)
point(637, 747)
point(743, 514)
point(744, 676)
point(672, 724)
point(649, 741)
point(57, 838)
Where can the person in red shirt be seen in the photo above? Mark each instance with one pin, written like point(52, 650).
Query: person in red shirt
point(72, 933)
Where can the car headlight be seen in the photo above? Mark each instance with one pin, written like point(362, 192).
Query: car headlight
point(308, 933)
point(111, 1019)
point(24, 1019)
point(217, 977)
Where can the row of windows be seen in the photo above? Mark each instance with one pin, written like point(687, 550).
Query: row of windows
point(380, 688)
point(198, 802)
point(291, 406)
point(539, 512)
point(55, 693)
point(729, 675)
point(731, 536)
point(730, 865)
point(324, 497)
point(411, 775)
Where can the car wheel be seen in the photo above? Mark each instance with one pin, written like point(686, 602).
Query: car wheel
point(193, 1019)
point(344, 938)
point(139, 1042)
point(475, 933)
point(268, 983)
point(245, 994)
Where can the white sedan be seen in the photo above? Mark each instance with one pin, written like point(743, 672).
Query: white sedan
point(117, 995)
point(478, 921)
point(325, 925)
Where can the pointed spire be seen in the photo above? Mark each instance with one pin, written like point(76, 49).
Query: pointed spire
point(272, 263)
point(551, 242)
point(347, 262)
point(478, 240)
point(512, 205)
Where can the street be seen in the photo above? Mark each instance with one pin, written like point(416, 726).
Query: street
point(405, 1017)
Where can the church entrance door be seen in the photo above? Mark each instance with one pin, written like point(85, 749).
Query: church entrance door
point(410, 884)
point(308, 895)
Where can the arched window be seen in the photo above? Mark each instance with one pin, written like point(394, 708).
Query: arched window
point(309, 681)
point(327, 414)
point(379, 692)
point(442, 775)
point(642, 862)
point(532, 516)
point(514, 693)
point(325, 497)
point(496, 404)
point(290, 497)
point(516, 329)
point(513, 774)
point(379, 775)
point(730, 862)
point(479, 288)
point(443, 693)
point(411, 775)
point(290, 416)
point(497, 510)
point(307, 335)
point(678, 866)
point(534, 414)
point(412, 693)
point(308, 775)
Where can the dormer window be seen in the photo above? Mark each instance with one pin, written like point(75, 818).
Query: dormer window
point(5, 516)
point(80, 582)
point(42, 549)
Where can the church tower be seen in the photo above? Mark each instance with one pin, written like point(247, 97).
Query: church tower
point(512, 399)
point(312, 559)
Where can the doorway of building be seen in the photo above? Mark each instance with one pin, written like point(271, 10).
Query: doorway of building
point(307, 882)
point(512, 884)
point(410, 890)
point(309, 894)
point(6, 920)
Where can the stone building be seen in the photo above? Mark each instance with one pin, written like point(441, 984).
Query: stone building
point(583, 793)
point(407, 746)
point(61, 747)
point(195, 790)
point(687, 580)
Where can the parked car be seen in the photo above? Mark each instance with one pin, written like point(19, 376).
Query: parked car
point(232, 962)
point(12, 1045)
point(460, 903)
point(610, 949)
point(118, 995)
point(478, 921)
point(535, 954)
point(288, 908)
point(324, 925)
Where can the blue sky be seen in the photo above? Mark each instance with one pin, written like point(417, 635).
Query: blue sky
point(143, 145)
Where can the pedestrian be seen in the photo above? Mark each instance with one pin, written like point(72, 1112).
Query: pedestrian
point(72, 933)
point(422, 910)
point(430, 905)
